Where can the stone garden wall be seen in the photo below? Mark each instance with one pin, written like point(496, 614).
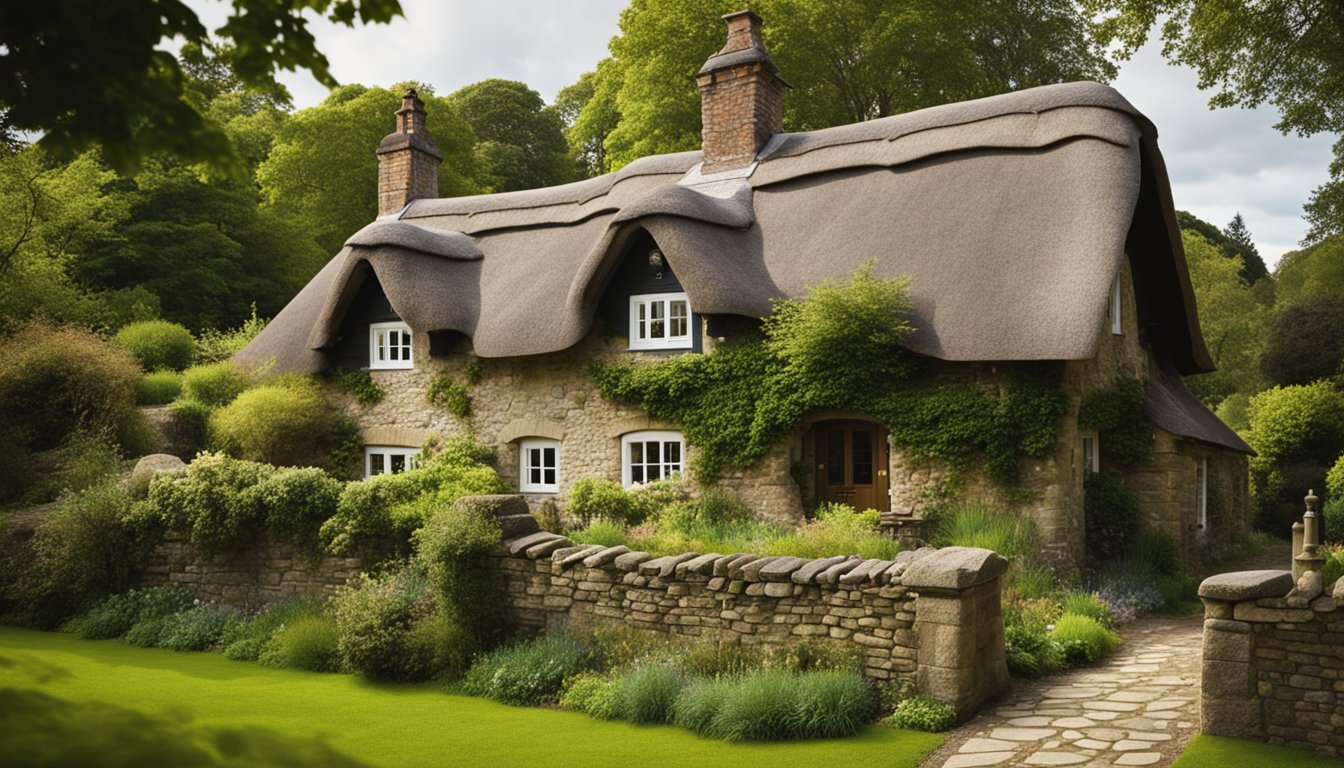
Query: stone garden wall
point(930, 618)
point(1274, 659)
point(249, 578)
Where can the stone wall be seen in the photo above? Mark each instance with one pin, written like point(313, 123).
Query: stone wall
point(250, 577)
point(1274, 659)
point(928, 619)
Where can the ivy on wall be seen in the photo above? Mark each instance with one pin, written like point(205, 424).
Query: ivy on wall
point(1122, 428)
point(841, 349)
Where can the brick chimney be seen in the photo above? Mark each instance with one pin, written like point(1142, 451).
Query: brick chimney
point(741, 97)
point(408, 160)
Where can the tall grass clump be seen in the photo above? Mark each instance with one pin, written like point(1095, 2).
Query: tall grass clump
point(776, 705)
point(215, 384)
point(310, 643)
point(158, 388)
point(1083, 638)
point(977, 526)
point(525, 674)
point(157, 344)
point(647, 693)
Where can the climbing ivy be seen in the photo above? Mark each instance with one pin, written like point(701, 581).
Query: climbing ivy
point(840, 348)
point(1122, 428)
point(449, 394)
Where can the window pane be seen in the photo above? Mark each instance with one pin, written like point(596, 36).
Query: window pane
point(835, 458)
point(548, 458)
point(677, 324)
point(534, 475)
point(397, 462)
point(657, 315)
point(548, 476)
point(651, 451)
point(862, 441)
point(672, 454)
point(641, 330)
point(376, 465)
point(655, 472)
point(636, 473)
point(636, 453)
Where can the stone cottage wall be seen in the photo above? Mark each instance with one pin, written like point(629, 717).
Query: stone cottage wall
point(1274, 664)
point(250, 577)
point(928, 619)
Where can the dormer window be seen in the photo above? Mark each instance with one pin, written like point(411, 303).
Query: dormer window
point(660, 321)
point(389, 345)
point(1114, 312)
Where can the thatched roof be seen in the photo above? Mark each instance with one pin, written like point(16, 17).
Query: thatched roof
point(1011, 214)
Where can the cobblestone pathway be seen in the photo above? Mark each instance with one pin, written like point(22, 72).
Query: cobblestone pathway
point(1140, 707)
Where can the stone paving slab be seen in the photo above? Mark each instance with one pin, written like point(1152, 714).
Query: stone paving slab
point(1139, 708)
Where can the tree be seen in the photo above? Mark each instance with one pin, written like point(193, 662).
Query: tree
point(847, 61)
point(204, 249)
point(1305, 341)
point(1314, 270)
point(585, 131)
point(1232, 320)
point(1239, 244)
point(520, 144)
point(322, 174)
point(91, 74)
point(1289, 53)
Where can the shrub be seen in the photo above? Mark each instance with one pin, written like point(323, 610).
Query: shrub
point(1089, 605)
point(82, 461)
point(214, 384)
point(592, 498)
point(525, 674)
point(157, 344)
point(1032, 613)
point(600, 531)
point(294, 503)
point(375, 617)
point(1298, 433)
point(1111, 515)
point(1333, 511)
point(191, 423)
point(1127, 596)
point(116, 614)
point(244, 641)
point(646, 693)
point(1180, 591)
point(454, 547)
point(978, 526)
point(923, 713)
point(87, 548)
point(777, 705)
point(158, 388)
point(593, 693)
point(1333, 567)
point(144, 614)
point(216, 346)
point(287, 424)
point(72, 381)
point(210, 501)
point(1154, 552)
point(1083, 639)
point(1031, 652)
point(309, 643)
point(198, 628)
point(836, 530)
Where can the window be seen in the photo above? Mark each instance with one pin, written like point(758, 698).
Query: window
point(389, 345)
point(647, 456)
point(387, 459)
point(1091, 462)
point(1202, 493)
point(660, 321)
point(1114, 312)
point(539, 465)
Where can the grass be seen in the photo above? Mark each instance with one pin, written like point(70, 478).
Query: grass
point(331, 716)
point(1218, 751)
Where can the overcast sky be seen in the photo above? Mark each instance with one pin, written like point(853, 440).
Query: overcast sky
point(1220, 162)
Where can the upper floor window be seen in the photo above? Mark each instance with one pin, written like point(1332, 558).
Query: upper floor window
point(388, 459)
point(1202, 493)
point(1091, 461)
point(651, 455)
point(539, 465)
point(389, 345)
point(660, 321)
point(1114, 312)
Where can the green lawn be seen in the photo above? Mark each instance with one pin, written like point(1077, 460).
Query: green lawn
point(1220, 752)
point(109, 703)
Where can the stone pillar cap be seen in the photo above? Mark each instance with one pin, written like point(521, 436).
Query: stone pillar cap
point(1247, 585)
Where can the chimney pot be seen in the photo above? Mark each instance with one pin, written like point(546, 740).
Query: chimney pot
point(408, 160)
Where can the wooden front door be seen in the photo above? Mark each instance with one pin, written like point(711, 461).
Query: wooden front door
point(852, 464)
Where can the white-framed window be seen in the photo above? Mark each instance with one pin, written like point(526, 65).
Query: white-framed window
point(388, 459)
point(1114, 311)
point(389, 345)
point(660, 321)
point(539, 465)
point(1091, 460)
point(1202, 493)
point(651, 455)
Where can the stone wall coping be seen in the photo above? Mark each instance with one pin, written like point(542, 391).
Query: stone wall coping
point(952, 568)
point(955, 568)
point(1246, 585)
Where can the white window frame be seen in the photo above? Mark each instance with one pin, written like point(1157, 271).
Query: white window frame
point(1091, 463)
point(379, 346)
point(664, 437)
point(1202, 493)
point(388, 452)
point(1114, 311)
point(526, 455)
point(664, 301)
